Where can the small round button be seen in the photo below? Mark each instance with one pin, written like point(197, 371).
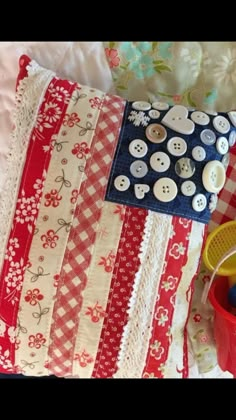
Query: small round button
point(138, 169)
point(153, 113)
point(188, 188)
point(200, 118)
point(232, 138)
point(177, 146)
point(141, 105)
point(225, 160)
point(138, 148)
point(185, 167)
point(199, 202)
point(198, 153)
point(232, 117)
point(165, 189)
point(213, 176)
point(221, 124)
point(161, 106)
point(160, 162)
point(156, 133)
point(208, 137)
point(122, 183)
point(222, 145)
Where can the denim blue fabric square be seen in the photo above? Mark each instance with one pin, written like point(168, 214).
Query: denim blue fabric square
point(134, 126)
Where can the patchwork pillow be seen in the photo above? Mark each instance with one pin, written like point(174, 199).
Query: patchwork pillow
point(103, 217)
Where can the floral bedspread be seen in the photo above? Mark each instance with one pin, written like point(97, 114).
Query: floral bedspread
point(198, 75)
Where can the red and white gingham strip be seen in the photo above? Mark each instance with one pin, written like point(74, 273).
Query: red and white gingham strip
point(77, 258)
point(226, 205)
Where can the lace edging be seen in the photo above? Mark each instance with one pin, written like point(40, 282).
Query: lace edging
point(28, 98)
point(137, 332)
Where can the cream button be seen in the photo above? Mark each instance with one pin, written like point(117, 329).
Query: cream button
point(140, 190)
point(177, 146)
point(199, 202)
point(185, 167)
point(141, 106)
point(208, 137)
point(160, 162)
point(222, 145)
point(232, 138)
point(122, 183)
point(138, 148)
point(198, 153)
point(153, 113)
point(161, 106)
point(165, 189)
point(156, 133)
point(225, 160)
point(221, 124)
point(200, 118)
point(177, 119)
point(213, 176)
point(232, 117)
point(138, 169)
point(188, 188)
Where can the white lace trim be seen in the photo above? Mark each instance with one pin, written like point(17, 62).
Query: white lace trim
point(137, 332)
point(28, 98)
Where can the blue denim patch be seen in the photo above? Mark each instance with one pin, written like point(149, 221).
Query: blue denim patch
point(181, 205)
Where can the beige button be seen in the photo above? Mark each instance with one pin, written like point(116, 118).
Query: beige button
point(165, 189)
point(156, 133)
point(213, 176)
point(200, 118)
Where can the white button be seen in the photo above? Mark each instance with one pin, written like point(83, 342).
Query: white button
point(198, 153)
point(161, 106)
point(188, 188)
point(200, 118)
point(165, 189)
point(199, 202)
point(221, 124)
point(141, 106)
point(138, 148)
point(232, 138)
point(208, 137)
point(214, 113)
point(222, 145)
point(160, 162)
point(138, 169)
point(213, 176)
point(122, 183)
point(185, 168)
point(177, 146)
point(177, 119)
point(153, 113)
point(232, 117)
point(225, 160)
point(140, 190)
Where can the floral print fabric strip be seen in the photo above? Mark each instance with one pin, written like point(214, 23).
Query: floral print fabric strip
point(195, 74)
point(16, 261)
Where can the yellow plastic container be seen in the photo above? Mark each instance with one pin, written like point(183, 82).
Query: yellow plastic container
point(218, 243)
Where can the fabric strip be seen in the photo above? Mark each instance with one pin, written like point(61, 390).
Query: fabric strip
point(137, 332)
point(23, 228)
point(126, 266)
point(175, 259)
point(73, 277)
point(174, 366)
point(97, 290)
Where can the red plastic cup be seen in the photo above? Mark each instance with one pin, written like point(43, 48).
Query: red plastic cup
point(224, 325)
